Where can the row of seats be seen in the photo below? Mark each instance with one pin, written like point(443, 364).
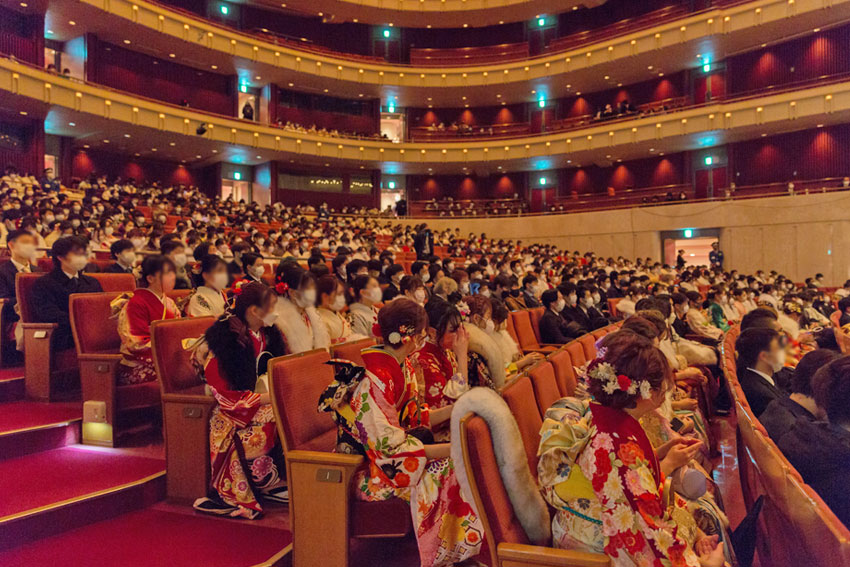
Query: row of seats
point(796, 527)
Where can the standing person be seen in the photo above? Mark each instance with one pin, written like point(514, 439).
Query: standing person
point(243, 437)
point(715, 257)
point(423, 242)
point(680, 260)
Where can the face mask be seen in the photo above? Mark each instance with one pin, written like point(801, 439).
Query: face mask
point(75, 223)
point(338, 303)
point(374, 295)
point(426, 277)
point(306, 298)
point(778, 361)
point(559, 305)
point(485, 291)
point(78, 261)
point(489, 326)
point(257, 271)
point(108, 231)
point(464, 288)
point(180, 260)
point(25, 250)
point(128, 258)
point(219, 280)
point(137, 242)
point(419, 295)
point(587, 301)
point(573, 299)
point(686, 309)
point(596, 298)
point(269, 319)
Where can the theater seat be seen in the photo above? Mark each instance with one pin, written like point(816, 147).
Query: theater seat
point(507, 542)
point(535, 313)
point(351, 351)
point(186, 408)
point(519, 395)
point(565, 375)
point(526, 336)
point(320, 489)
point(97, 345)
point(588, 345)
point(545, 386)
point(612, 306)
point(576, 351)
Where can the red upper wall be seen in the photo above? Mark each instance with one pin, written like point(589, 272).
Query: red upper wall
point(88, 162)
point(499, 186)
point(482, 116)
point(650, 172)
point(22, 36)
point(159, 79)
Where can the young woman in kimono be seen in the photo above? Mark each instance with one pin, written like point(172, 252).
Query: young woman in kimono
point(210, 297)
point(138, 310)
point(247, 461)
point(441, 364)
point(385, 421)
point(331, 302)
point(599, 471)
point(297, 319)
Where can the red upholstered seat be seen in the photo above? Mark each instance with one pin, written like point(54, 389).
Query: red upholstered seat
point(576, 351)
point(115, 282)
point(173, 362)
point(519, 395)
point(526, 336)
point(535, 313)
point(565, 375)
point(94, 330)
point(588, 344)
point(511, 329)
point(612, 306)
point(351, 351)
point(545, 386)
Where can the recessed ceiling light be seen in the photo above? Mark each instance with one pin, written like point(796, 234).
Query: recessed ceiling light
point(259, 157)
point(72, 123)
point(127, 41)
point(172, 143)
point(291, 84)
point(215, 66)
point(652, 149)
point(607, 77)
point(126, 135)
point(326, 90)
point(106, 141)
point(257, 78)
point(619, 84)
point(501, 22)
point(153, 149)
point(86, 146)
point(215, 151)
point(355, 20)
point(820, 125)
point(23, 113)
point(360, 95)
point(650, 67)
point(198, 157)
point(50, 32)
point(172, 55)
point(72, 23)
point(23, 4)
point(466, 25)
point(817, 30)
point(137, 154)
point(533, 92)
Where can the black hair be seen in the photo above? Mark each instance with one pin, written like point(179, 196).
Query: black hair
point(358, 284)
point(801, 382)
point(169, 246)
point(549, 297)
point(759, 317)
point(750, 344)
point(14, 235)
point(248, 259)
point(65, 245)
point(154, 264)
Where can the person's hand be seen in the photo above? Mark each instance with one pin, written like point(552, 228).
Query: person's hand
point(713, 556)
point(688, 425)
point(680, 454)
point(461, 343)
point(529, 359)
point(692, 374)
point(689, 404)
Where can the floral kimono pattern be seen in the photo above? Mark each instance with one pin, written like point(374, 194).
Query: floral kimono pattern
point(385, 407)
point(441, 382)
point(599, 471)
point(137, 311)
point(244, 453)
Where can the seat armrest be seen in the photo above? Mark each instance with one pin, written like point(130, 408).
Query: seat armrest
point(516, 555)
point(38, 326)
point(322, 458)
point(102, 357)
point(178, 398)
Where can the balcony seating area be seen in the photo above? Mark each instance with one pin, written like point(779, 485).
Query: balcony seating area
point(457, 56)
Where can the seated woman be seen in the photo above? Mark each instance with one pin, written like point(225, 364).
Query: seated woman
point(383, 420)
point(243, 437)
point(297, 319)
point(366, 294)
point(599, 471)
point(331, 303)
point(510, 350)
point(443, 362)
point(412, 287)
point(478, 326)
point(147, 304)
point(210, 297)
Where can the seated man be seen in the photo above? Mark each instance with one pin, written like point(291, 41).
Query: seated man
point(781, 414)
point(22, 247)
point(761, 353)
point(50, 292)
point(844, 309)
point(553, 328)
point(125, 257)
point(175, 251)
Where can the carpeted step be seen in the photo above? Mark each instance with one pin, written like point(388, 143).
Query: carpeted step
point(11, 384)
point(155, 537)
point(31, 427)
point(54, 491)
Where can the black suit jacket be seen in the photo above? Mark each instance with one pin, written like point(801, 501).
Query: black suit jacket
point(530, 300)
point(577, 316)
point(759, 391)
point(555, 330)
point(7, 290)
point(391, 292)
point(49, 302)
point(117, 268)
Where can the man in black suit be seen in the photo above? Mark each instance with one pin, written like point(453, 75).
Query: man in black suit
point(423, 242)
point(583, 312)
point(51, 291)
point(528, 283)
point(394, 273)
point(125, 257)
point(761, 353)
point(553, 328)
point(22, 248)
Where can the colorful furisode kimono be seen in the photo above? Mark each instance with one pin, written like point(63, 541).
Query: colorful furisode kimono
point(134, 327)
point(599, 471)
point(384, 407)
point(244, 452)
point(441, 382)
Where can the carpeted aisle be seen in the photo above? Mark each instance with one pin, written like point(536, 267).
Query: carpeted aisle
point(22, 415)
point(154, 538)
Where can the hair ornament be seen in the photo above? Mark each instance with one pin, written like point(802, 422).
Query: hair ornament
point(281, 288)
point(237, 287)
point(601, 371)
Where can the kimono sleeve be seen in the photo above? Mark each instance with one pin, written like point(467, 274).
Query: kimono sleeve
point(240, 406)
point(635, 520)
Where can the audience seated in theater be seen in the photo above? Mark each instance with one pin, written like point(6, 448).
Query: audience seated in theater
point(51, 291)
point(820, 450)
point(584, 312)
point(331, 305)
point(844, 309)
point(413, 288)
point(631, 295)
point(593, 455)
point(124, 254)
point(394, 274)
point(483, 350)
point(443, 360)
point(384, 421)
point(444, 290)
point(297, 318)
point(136, 311)
point(22, 248)
point(554, 329)
point(365, 300)
point(715, 300)
point(781, 413)
point(761, 353)
point(510, 350)
point(240, 346)
point(253, 267)
point(698, 323)
point(529, 291)
point(210, 296)
point(175, 250)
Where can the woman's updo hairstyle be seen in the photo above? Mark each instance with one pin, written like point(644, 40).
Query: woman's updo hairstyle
point(325, 285)
point(208, 263)
point(638, 359)
point(401, 318)
point(254, 294)
point(289, 275)
point(154, 264)
point(443, 317)
point(478, 305)
point(359, 284)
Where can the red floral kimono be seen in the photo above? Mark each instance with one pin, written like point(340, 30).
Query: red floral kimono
point(240, 413)
point(599, 471)
point(134, 327)
point(385, 407)
point(441, 383)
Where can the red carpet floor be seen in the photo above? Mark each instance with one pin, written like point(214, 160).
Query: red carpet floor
point(11, 373)
point(52, 476)
point(20, 415)
point(155, 538)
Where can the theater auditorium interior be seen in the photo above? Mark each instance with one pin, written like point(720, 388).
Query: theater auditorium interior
point(357, 283)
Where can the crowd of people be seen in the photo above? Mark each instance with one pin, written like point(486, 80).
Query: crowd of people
point(290, 126)
point(282, 280)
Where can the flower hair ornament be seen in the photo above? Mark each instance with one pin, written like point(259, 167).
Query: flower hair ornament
point(237, 287)
point(281, 288)
point(604, 372)
point(404, 334)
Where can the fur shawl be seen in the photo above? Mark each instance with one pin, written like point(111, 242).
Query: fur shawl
point(236, 362)
point(483, 344)
point(528, 504)
point(506, 343)
point(299, 336)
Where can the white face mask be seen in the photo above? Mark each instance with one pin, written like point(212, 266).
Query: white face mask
point(464, 288)
point(777, 362)
point(489, 326)
point(338, 303)
point(573, 299)
point(374, 295)
point(596, 298)
point(257, 271)
point(686, 309)
point(77, 261)
point(219, 281)
point(137, 242)
point(306, 298)
point(180, 260)
point(108, 231)
point(25, 251)
point(485, 291)
point(269, 319)
point(419, 295)
point(426, 277)
point(128, 258)
point(559, 305)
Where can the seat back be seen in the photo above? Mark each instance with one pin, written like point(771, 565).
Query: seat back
point(295, 383)
point(23, 291)
point(565, 374)
point(524, 330)
point(173, 363)
point(519, 395)
point(511, 330)
point(545, 386)
point(94, 330)
point(178, 294)
point(535, 313)
point(588, 345)
point(351, 351)
point(115, 282)
point(612, 306)
point(576, 351)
